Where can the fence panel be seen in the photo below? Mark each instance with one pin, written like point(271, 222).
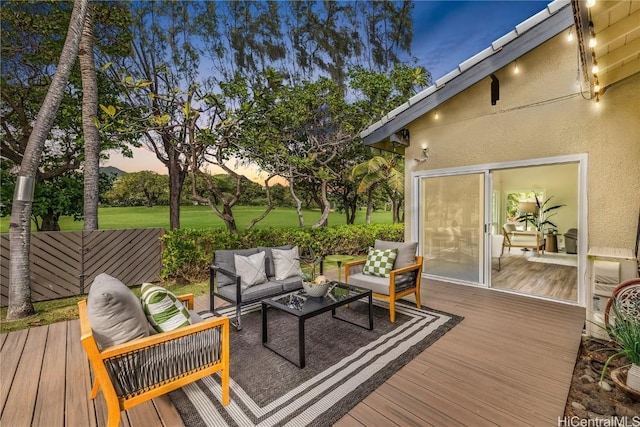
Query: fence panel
point(133, 255)
point(65, 263)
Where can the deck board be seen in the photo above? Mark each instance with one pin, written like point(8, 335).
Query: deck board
point(509, 362)
point(24, 388)
point(52, 386)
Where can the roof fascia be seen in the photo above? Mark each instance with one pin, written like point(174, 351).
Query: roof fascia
point(511, 51)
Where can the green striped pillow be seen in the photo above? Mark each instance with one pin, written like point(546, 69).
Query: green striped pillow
point(163, 309)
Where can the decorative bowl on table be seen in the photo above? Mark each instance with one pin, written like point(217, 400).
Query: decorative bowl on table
point(318, 288)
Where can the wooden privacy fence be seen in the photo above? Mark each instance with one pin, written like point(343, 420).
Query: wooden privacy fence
point(64, 263)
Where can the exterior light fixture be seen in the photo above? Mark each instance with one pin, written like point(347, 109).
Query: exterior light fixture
point(425, 154)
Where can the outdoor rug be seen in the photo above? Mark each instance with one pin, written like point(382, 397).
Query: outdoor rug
point(570, 260)
point(344, 364)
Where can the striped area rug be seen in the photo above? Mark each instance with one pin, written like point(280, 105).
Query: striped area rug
point(344, 364)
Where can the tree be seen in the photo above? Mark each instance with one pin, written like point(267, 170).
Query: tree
point(33, 36)
point(20, 304)
point(59, 196)
point(89, 129)
point(146, 188)
point(379, 171)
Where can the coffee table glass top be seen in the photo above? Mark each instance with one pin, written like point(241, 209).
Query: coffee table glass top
point(300, 303)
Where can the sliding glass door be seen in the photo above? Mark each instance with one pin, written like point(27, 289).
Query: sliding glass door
point(452, 218)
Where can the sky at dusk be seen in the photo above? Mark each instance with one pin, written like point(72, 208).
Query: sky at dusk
point(446, 33)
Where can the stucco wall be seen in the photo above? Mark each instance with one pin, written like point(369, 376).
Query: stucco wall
point(540, 114)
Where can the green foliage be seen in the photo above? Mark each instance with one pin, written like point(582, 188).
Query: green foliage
point(55, 197)
point(541, 216)
point(145, 188)
point(188, 253)
point(625, 333)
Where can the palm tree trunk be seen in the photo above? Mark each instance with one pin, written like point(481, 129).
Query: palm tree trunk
point(89, 129)
point(20, 304)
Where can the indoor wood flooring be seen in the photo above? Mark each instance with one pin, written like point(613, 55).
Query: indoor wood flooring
point(509, 362)
point(521, 275)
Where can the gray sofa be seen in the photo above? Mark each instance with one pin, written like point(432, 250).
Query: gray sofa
point(224, 283)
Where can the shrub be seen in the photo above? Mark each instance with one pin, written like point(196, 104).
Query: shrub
point(187, 253)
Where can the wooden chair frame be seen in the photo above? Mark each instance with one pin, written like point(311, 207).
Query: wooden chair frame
point(393, 294)
point(535, 241)
point(101, 361)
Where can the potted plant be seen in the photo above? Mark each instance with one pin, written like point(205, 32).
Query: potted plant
point(625, 333)
point(540, 218)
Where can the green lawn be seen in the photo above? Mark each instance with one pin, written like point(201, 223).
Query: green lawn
point(203, 217)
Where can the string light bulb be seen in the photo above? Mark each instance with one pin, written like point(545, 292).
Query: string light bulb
point(516, 70)
point(436, 115)
point(592, 40)
point(596, 87)
point(595, 67)
point(590, 3)
point(570, 36)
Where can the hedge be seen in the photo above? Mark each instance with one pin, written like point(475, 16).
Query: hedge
point(187, 253)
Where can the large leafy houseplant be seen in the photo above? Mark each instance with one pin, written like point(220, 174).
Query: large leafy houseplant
point(625, 333)
point(540, 218)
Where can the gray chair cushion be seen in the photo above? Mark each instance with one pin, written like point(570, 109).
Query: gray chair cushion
point(291, 283)
point(115, 313)
point(270, 268)
point(224, 258)
point(253, 293)
point(377, 284)
point(406, 252)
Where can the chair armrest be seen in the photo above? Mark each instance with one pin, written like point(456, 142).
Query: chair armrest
point(356, 266)
point(165, 337)
point(188, 299)
point(406, 269)
point(214, 268)
point(350, 264)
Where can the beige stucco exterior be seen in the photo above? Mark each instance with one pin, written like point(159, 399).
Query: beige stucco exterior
point(541, 114)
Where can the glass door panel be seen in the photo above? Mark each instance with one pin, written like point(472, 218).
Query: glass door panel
point(452, 218)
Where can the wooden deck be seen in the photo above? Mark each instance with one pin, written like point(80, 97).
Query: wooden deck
point(508, 363)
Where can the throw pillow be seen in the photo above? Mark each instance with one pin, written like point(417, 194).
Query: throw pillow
point(286, 263)
point(379, 262)
point(224, 258)
point(164, 311)
point(250, 269)
point(114, 312)
point(269, 268)
point(406, 252)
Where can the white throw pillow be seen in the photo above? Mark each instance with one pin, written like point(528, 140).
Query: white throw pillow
point(250, 269)
point(286, 263)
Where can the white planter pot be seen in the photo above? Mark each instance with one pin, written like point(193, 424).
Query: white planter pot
point(633, 377)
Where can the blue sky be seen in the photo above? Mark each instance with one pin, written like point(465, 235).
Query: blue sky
point(445, 34)
point(448, 32)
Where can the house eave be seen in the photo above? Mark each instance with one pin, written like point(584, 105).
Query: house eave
point(506, 50)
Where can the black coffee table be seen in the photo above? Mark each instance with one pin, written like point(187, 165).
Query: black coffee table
point(303, 307)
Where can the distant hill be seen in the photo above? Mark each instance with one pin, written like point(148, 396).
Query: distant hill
point(113, 171)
